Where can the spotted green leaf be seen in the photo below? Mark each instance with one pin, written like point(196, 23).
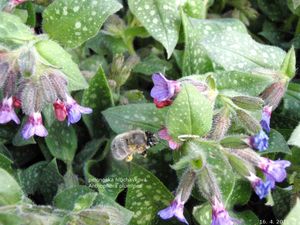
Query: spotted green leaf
point(238, 51)
point(98, 97)
point(160, 18)
point(197, 8)
point(50, 51)
point(144, 116)
point(62, 141)
point(294, 216)
point(152, 64)
point(73, 22)
point(43, 178)
point(10, 191)
point(277, 143)
point(190, 114)
point(234, 83)
point(146, 195)
point(13, 32)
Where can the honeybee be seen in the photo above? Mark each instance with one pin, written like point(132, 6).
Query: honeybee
point(126, 144)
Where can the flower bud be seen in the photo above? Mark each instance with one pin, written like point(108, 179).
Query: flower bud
point(248, 102)
point(28, 98)
point(207, 184)
point(248, 155)
point(4, 66)
point(221, 124)
point(59, 83)
point(249, 122)
point(27, 62)
point(114, 25)
point(274, 93)
point(48, 90)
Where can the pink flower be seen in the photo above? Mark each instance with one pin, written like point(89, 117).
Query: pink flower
point(34, 126)
point(60, 110)
point(7, 112)
point(163, 134)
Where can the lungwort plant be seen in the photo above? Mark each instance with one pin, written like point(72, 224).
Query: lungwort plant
point(149, 112)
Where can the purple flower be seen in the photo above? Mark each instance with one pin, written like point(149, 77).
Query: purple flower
point(74, 110)
point(175, 209)
point(261, 189)
point(163, 134)
point(274, 170)
point(220, 216)
point(7, 112)
point(259, 141)
point(34, 126)
point(163, 89)
point(266, 116)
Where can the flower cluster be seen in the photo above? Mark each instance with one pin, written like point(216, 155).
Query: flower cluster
point(24, 88)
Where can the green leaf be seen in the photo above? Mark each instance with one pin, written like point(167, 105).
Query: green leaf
point(146, 195)
point(241, 194)
point(238, 51)
point(98, 97)
point(10, 191)
point(85, 201)
point(62, 141)
point(6, 163)
point(294, 216)
point(43, 178)
point(190, 114)
point(50, 51)
point(288, 66)
point(152, 64)
point(72, 23)
point(234, 83)
point(144, 116)
point(277, 144)
point(160, 18)
point(195, 59)
point(13, 32)
point(67, 198)
point(196, 8)
point(295, 137)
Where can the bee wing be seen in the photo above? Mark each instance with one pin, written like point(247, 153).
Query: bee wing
point(119, 148)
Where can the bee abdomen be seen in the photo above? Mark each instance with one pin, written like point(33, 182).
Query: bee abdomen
point(119, 149)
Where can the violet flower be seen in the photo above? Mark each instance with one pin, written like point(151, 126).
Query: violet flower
point(266, 116)
point(163, 89)
point(74, 110)
point(220, 216)
point(261, 189)
point(163, 134)
point(259, 141)
point(34, 126)
point(174, 209)
point(7, 112)
point(274, 170)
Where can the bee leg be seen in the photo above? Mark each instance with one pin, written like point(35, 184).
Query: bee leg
point(129, 158)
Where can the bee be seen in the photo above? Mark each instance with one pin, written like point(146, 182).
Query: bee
point(126, 144)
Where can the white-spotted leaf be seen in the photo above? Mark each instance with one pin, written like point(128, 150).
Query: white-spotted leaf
point(161, 19)
point(144, 116)
point(190, 114)
point(73, 22)
point(295, 137)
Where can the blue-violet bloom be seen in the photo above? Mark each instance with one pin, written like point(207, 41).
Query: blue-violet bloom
point(163, 89)
point(259, 141)
point(261, 189)
point(174, 209)
point(34, 126)
point(7, 112)
point(74, 110)
point(266, 116)
point(274, 170)
point(220, 215)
